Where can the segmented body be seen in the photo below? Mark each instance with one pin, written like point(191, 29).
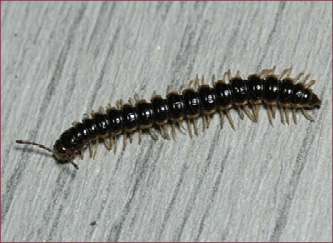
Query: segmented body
point(190, 103)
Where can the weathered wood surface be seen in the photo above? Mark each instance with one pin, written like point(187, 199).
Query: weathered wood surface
point(258, 183)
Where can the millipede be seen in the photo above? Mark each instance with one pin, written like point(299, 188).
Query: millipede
point(197, 100)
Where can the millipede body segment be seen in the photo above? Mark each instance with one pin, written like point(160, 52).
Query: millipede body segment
point(189, 104)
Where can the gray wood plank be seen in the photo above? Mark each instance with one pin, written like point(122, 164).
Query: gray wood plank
point(258, 183)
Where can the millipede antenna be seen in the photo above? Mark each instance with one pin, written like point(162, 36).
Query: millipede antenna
point(33, 143)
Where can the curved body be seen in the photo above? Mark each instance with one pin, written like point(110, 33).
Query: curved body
point(189, 104)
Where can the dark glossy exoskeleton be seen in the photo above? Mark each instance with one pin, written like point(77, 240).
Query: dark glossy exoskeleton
point(189, 103)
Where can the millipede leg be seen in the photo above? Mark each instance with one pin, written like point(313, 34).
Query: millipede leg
point(222, 118)
point(181, 125)
point(162, 131)
point(107, 144)
point(132, 102)
point(75, 122)
point(153, 134)
point(96, 147)
point(309, 84)
point(255, 114)
point(229, 74)
point(208, 121)
point(305, 78)
point(137, 96)
point(286, 111)
point(248, 113)
point(204, 122)
point(101, 109)
point(140, 136)
point(168, 90)
point(283, 73)
point(189, 127)
point(81, 152)
point(265, 72)
point(230, 120)
point(213, 79)
point(190, 84)
point(86, 116)
point(224, 77)
point(180, 89)
point(237, 74)
point(115, 144)
point(125, 140)
point(307, 115)
point(90, 149)
point(269, 114)
point(196, 82)
point(273, 111)
point(294, 115)
point(174, 129)
point(202, 80)
point(282, 114)
point(166, 132)
point(131, 136)
point(195, 127)
point(241, 113)
point(298, 76)
point(289, 72)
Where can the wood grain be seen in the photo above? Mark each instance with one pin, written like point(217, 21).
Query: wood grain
point(258, 183)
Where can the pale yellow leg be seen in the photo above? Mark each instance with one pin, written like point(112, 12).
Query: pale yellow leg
point(255, 113)
point(213, 79)
point(283, 73)
point(131, 137)
point(174, 129)
point(306, 78)
point(90, 149)
point(180, 89)
point(181, 125)
point(107, 144)
point(208, 121)
point(115, 144)
point(153, 134)
point(140, 136)
point(190, 84)
point(166, 132)
point(248, 113)
point(222, 118)
point(195, 127)
point(204, 122)
point(269, 115)
point(287, 114)
point(96, 147)
point(282, 114)
point(289, 72)
point(309, 84)
point(241, 113)
point(294, 115)
point(168, 89)
point(307, 115)
point(230, 119)
point(189, 127)
point(125, 140)
point(273, 111)
point(298, 76)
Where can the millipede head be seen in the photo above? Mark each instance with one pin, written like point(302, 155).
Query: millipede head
point(59, 151)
